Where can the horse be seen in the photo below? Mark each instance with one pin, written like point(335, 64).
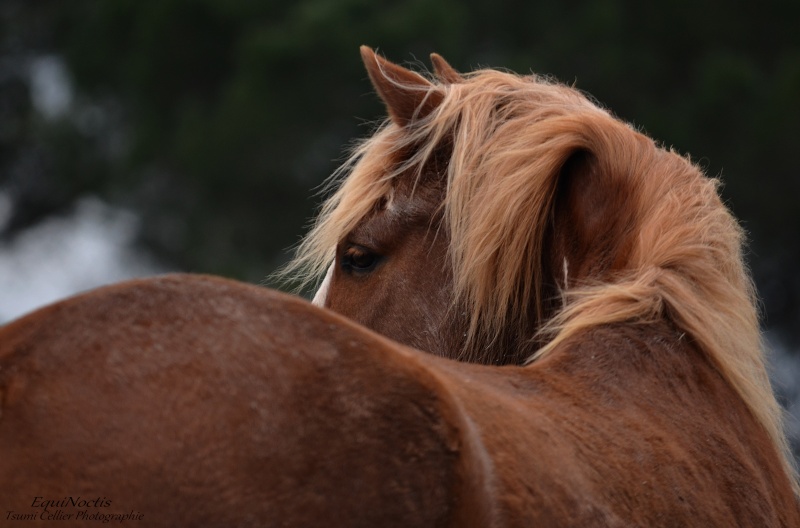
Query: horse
point(510, 220)
point(534, 316)
point(189, 400)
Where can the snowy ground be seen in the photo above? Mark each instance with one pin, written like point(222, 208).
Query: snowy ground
point(93, 247)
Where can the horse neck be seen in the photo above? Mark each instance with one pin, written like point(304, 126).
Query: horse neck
point(660, 372)
point(646, 389)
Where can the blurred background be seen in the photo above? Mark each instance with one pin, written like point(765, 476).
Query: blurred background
point(138, 137)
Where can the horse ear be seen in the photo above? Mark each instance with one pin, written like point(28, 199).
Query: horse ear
point(446, 73)
point(407, 95)
point(592, 215)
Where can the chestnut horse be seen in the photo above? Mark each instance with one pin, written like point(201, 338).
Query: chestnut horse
point(508, 220)
point(495, 219)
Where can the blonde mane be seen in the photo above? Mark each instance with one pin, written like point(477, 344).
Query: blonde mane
point(510, 138)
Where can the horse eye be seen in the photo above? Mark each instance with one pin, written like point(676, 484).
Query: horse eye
point(359, 259)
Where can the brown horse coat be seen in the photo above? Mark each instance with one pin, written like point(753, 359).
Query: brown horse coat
point(197, 401)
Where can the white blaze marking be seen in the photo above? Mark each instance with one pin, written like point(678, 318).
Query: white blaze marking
point(322, 292)
point(390, 204)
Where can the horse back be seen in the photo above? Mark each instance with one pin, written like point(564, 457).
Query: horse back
point(195, 401)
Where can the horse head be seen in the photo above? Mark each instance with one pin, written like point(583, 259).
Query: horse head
point(495, 216)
